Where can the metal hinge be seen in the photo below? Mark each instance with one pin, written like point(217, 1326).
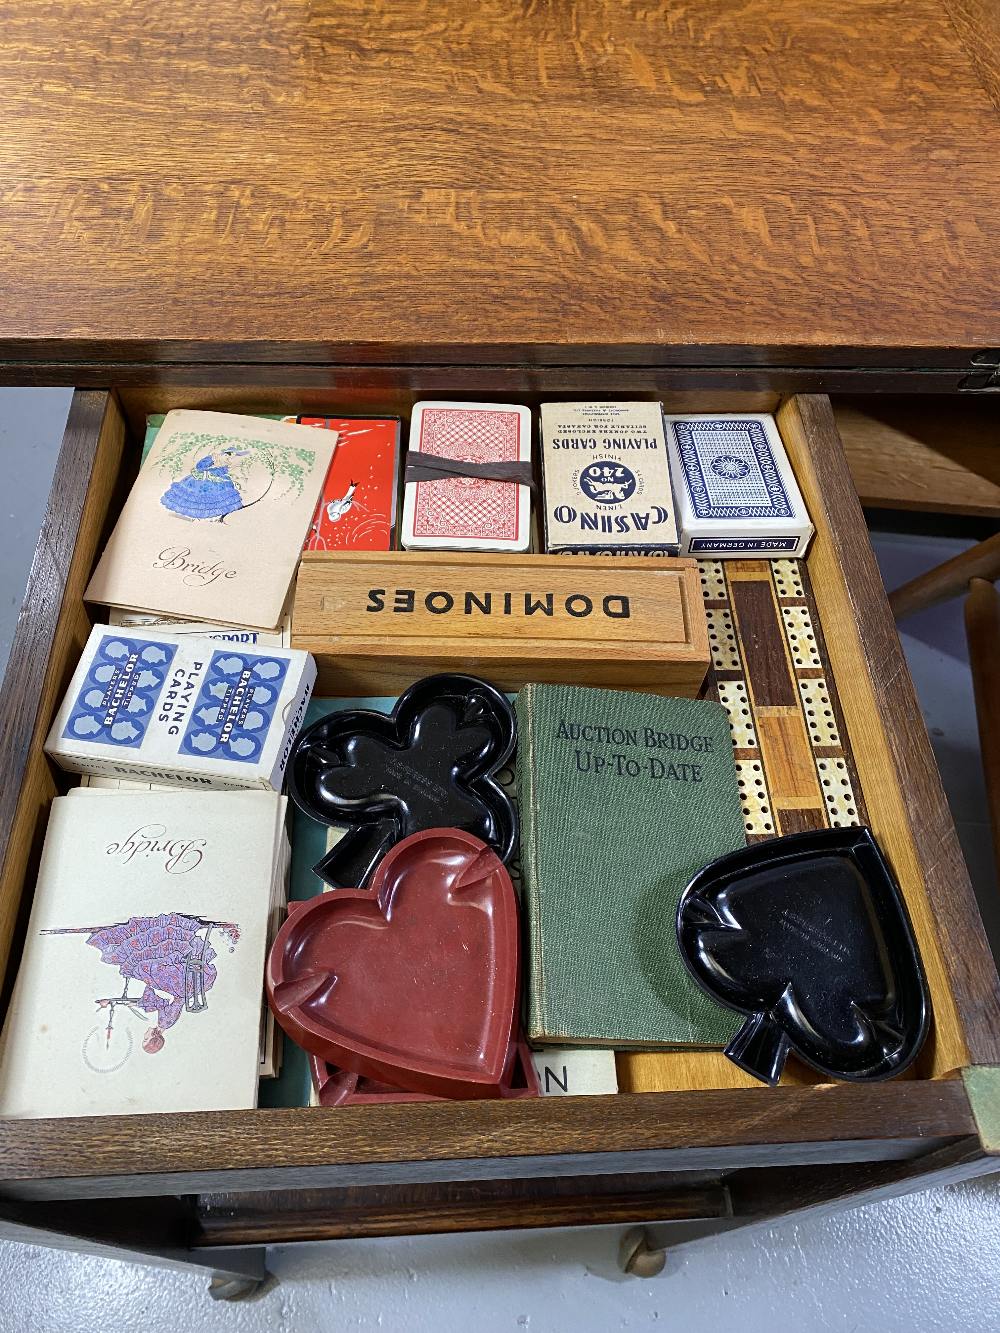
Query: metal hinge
point(985, 376)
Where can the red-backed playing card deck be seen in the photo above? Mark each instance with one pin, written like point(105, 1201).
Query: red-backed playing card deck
point(469, 513)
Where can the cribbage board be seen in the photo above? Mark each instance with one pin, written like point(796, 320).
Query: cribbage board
point(771, 672)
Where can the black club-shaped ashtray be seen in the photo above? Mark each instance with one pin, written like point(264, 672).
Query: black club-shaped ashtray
point(809, 937)
point(430, 763)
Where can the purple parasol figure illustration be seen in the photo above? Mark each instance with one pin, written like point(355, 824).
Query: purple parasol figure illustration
point(171, 957)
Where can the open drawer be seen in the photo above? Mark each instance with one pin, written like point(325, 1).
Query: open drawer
point(708, 1143)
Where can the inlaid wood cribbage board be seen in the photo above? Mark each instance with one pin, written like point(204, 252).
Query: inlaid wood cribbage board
point(771, 673)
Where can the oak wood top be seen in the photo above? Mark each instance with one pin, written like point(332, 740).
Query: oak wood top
point(722, 182)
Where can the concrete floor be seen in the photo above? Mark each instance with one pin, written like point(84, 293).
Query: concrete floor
point(918, 1264)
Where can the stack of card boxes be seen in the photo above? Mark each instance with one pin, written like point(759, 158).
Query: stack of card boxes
point(734, 487)
point(182, 710)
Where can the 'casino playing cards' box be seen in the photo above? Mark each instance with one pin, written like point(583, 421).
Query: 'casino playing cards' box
point(468, 513)
point(734, 487)
point(178, 709)
point(607, 480)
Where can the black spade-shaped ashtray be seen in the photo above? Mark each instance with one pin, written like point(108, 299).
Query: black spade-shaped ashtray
point(430, 763)
point(809, 937)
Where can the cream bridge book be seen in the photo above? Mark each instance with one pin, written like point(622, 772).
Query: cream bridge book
point(214, 524)
point(141, 982)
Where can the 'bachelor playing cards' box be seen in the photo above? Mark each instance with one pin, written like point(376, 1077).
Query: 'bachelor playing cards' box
point(607, 480)
point(734, 487)
point(182, 710)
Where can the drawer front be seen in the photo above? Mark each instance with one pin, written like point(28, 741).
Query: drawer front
point(706, 1124)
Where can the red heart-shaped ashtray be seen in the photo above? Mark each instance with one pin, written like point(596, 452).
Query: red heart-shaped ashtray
point(414, 980)
point(339, 1087)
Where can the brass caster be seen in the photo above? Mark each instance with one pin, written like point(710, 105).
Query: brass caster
point(637, 1257)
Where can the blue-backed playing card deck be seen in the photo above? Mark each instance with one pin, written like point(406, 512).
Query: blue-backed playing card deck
point(147, 706)
point(734, 488)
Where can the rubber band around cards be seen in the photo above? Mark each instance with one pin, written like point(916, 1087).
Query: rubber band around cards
point(427, 467)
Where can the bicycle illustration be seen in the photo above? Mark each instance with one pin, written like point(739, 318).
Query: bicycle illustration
point(171, 957)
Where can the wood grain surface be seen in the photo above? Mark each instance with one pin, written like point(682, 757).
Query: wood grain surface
point(506, 383)
point(377, 390)
point(936, 454)
point(730, 182)
point(288, 1217)
point(977, 23)
point(111, 1156)
point(377, 621)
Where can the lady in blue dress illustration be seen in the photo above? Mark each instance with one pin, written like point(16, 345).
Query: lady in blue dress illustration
point(208, 491)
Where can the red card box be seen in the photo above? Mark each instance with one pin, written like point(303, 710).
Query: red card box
point(468, 513)
point(357, 510)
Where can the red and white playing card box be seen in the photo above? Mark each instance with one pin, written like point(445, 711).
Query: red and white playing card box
point(357, 510)
point(469, 513)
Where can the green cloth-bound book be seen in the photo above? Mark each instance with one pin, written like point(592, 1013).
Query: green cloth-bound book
point(622, 797)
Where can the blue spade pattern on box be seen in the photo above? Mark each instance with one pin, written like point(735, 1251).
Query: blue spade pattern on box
point(121, 690)
point(235, 706)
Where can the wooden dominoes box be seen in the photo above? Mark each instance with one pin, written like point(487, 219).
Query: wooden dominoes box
point(378, 621)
